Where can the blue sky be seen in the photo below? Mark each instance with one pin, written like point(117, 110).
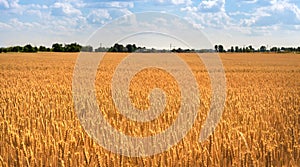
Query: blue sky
point(227, 22)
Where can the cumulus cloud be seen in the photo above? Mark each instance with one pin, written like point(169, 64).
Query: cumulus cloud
point(4, 26)
point(208, 13)
point(20, 25)
point(116, 4)
point(178, 2)
point(189, 9)
point(174, 2)
point(249, 1)
point(278, 12)
point(60, 8)
point(212, 5)
point(98, 16)
point(110, 4)
point(9, 3)
point(4, 3)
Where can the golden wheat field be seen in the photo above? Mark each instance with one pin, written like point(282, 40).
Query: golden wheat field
point(260, 125)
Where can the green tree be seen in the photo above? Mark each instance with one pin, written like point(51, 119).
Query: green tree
point(247, 49)
point(221, 48)
point(118, 48)
point(73, 47)
point(29, 48)
point(42, 49)
point(216, 48)
point(17, 49)
point(236, 49)
point(57, 47)
point(251, 48)
point(4, 50)
point(273, 49)
point(263, 49)
point(131, 48)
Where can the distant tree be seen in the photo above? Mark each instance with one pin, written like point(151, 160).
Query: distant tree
point(221, 48)
point(298, 49)
point(29, 48)
point(179, 50)
point(251, 48)
point(236, 49)
point(273, 49)
point(129, 48)
point(121, 48)
point(216, 48)
point(118, 48)
point(263, 49)
point(244, 50)
point(42, 49)
point(247, 49)
point(291, 49)
point(16, 49)
point(232, 49)
point(113, 49)
point(73, 47)
point(57, 47)
point(134, 47)
point(35, 49)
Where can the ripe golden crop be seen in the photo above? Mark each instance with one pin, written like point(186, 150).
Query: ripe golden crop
point(260, 125)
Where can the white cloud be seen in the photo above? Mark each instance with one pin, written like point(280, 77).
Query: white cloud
point(36, 6)
point(19, 25)
point(189, 9)
point(11, 6)
point(4, 26)
point(14, 3)
point(212, 5)
point(249, 1)
point(35, 12)
point(209, 13)
point(174, 2)
point(60, 8)
point(116, 4)
point(297, 27)
point(4, 3)
point(255, 17)
point(178, 2)
point(279, 12)
point(99, 16)
point(76, 3)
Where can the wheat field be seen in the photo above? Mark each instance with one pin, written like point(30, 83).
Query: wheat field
point(260, 125)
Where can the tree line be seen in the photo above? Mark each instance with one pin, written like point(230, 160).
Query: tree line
point(75, 47)
point(263, 48)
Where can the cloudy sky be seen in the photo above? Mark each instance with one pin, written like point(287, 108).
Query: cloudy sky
point(227, 22)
